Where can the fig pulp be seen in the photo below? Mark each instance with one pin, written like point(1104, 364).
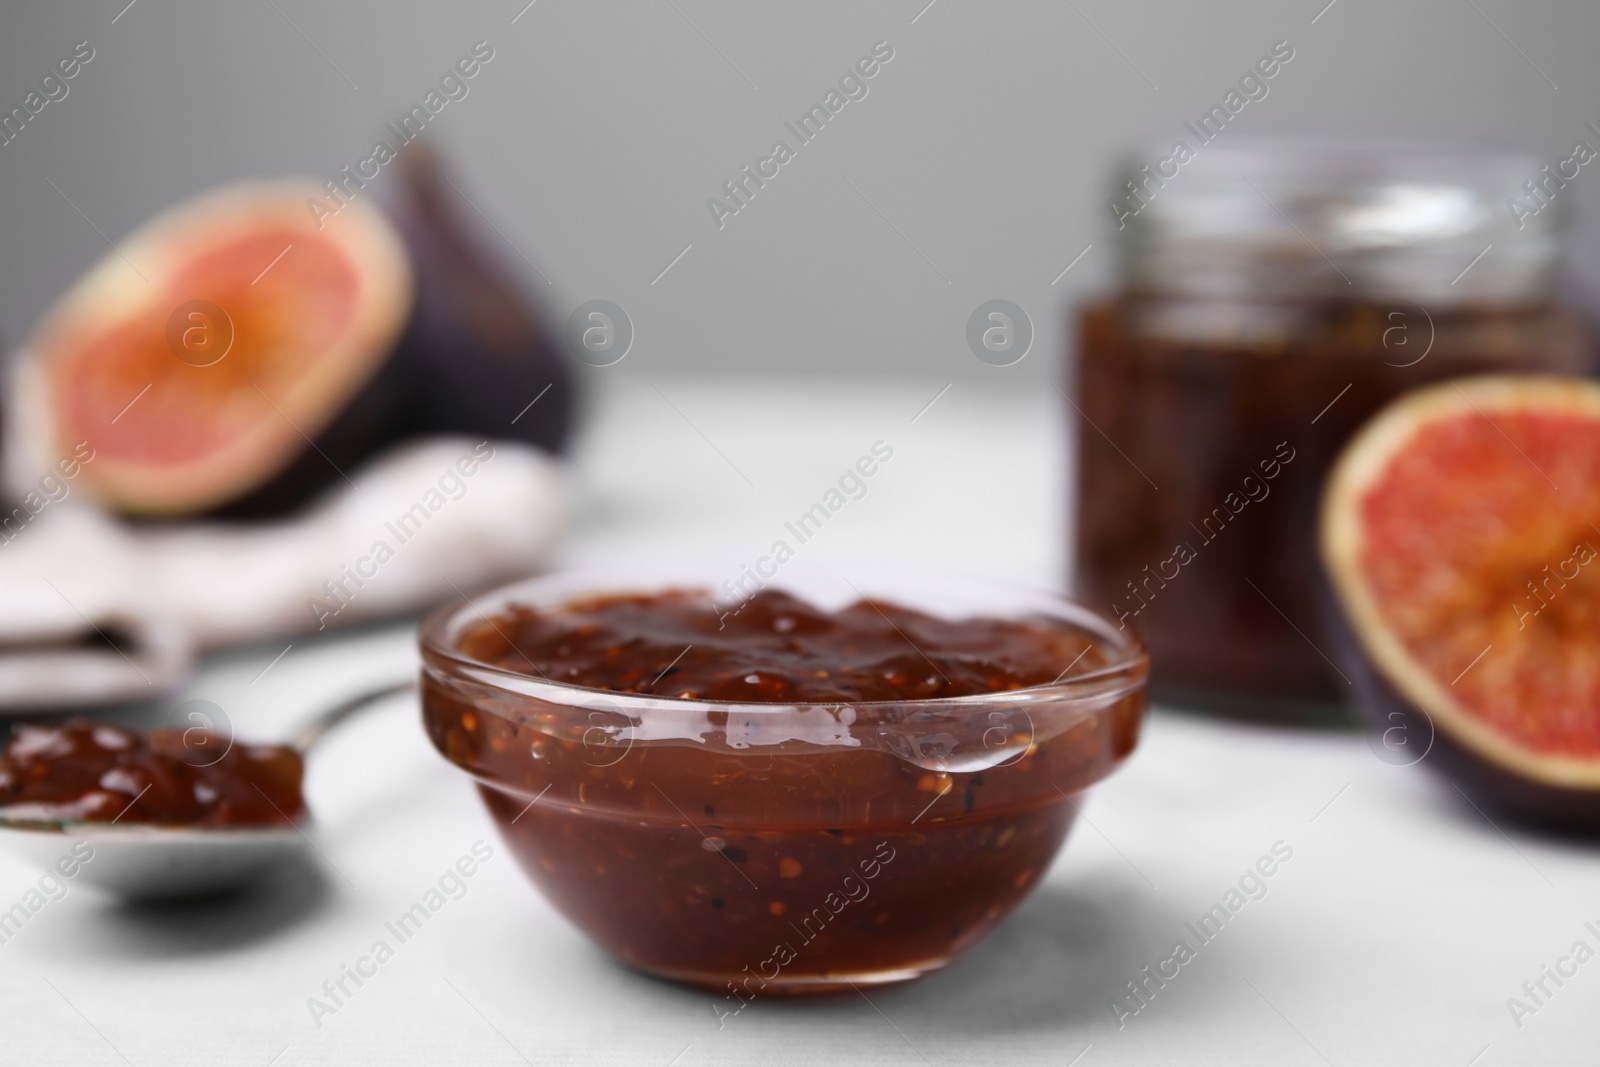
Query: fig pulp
point(87, 771)
point(239, 353)
point(1459, 533)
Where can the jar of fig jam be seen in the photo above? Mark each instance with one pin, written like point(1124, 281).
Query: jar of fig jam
point(1273, 295)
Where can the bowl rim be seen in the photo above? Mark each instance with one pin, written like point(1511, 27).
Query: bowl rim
point(1128, 672)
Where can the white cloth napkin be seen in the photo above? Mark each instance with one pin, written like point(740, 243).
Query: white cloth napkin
point(94, 610)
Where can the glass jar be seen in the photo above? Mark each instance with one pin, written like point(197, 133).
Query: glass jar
point(1274, 294)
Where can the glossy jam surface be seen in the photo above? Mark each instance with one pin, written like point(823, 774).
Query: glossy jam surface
point(86, 771)
point(776, 648)
point(785, 848)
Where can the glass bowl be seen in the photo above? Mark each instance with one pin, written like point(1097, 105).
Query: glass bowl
point(765, 848)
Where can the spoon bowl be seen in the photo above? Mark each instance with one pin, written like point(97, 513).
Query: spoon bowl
point(154, 862)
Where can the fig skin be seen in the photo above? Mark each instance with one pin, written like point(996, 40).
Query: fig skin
point(1497, 791)
point(476, 345)
point(474, 353)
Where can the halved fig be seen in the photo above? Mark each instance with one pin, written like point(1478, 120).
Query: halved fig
point(1459, 533)
point(204, 354)
point(236, 356)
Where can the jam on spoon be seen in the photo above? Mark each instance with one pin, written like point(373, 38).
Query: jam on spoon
point(86, 771)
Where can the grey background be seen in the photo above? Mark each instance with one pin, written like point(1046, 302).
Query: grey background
point(599, 130)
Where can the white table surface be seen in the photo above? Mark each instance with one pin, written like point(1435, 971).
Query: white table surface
point(1394, 935)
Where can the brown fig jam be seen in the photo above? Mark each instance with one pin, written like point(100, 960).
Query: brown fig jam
point(776, 648)
point(777, 798)
point(85, 771)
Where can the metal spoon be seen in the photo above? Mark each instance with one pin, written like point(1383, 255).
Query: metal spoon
point(148, 862)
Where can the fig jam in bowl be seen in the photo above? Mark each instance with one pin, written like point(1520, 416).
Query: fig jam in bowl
point(841, 778)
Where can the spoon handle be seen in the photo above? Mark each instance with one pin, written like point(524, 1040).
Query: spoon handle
point(312, 732)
